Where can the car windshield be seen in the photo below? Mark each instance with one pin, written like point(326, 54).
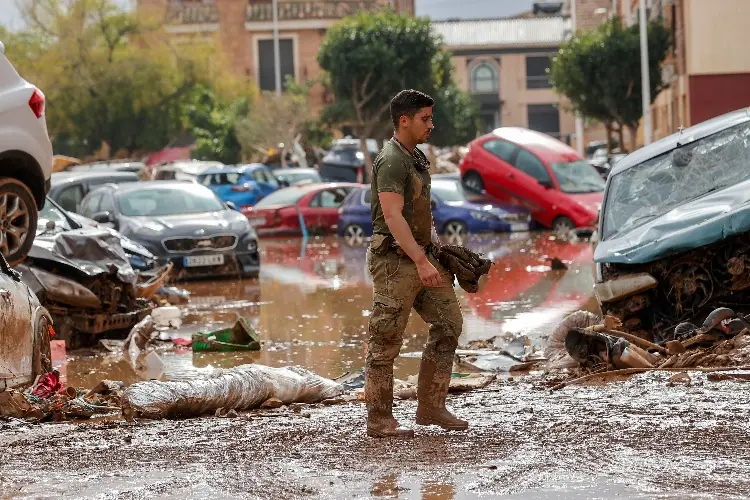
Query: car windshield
point(281, 197)
point(187, 199)
point(449, 190)
point(577, 177)
point(50, 213)
point(656, 186)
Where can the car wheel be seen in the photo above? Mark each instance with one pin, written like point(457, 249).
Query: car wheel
point(474, 182)
point(354, 235)
point(18, 219)
point(42, 359)
point(563, 225)
point(456, 232)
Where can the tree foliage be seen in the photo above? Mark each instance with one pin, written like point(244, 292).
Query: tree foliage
point(599, 71)
point(372, 56)
point(112, 78)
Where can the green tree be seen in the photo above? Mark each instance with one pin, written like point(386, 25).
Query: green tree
point(110, 77)
point(599, 72)
point(372, 56)
point(213, 124)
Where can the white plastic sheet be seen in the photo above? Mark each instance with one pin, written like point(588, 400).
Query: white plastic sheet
point(240, 388)
point(555, 352)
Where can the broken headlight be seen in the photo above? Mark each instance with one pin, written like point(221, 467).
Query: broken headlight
point(66, 291)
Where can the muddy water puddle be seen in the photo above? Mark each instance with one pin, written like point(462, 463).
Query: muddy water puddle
point(312, 302)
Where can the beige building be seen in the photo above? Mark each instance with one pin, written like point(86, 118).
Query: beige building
point(245, 29)
point(504, 62)
point(707, 72)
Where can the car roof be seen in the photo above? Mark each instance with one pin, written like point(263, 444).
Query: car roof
point(70, 177)
point(295, 170)
point(233, 169)
point(686, 136)
point(541, 144)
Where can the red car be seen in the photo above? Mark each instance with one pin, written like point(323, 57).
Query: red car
point(278, 214)
point(515, 165)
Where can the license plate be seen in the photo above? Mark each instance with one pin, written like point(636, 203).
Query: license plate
point(204, 260)
point(258, 221)
point(519, 226)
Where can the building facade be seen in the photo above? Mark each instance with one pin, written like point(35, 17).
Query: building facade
point(504, 63)
point(245, 30)
point(707, 72)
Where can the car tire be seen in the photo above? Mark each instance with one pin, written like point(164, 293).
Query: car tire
point(456, 232)
point(354, 235)
point(42, 359)
point(474, 181)
point(18, 220)
point(563, 225)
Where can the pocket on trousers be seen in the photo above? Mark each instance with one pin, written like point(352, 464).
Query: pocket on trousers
point(385, 313)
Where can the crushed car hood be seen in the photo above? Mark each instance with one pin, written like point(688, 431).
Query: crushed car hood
point(703, 221)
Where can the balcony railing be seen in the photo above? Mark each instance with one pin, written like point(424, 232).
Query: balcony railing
point(197, 12)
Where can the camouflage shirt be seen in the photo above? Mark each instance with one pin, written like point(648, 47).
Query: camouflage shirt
point(397, 171)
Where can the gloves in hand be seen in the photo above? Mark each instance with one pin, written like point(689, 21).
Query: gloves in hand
point(466, 265)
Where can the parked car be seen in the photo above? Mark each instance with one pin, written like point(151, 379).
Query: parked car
point(345, 162)
point(317, 204)
point(183, 170)
point(298, 175)
point(25, 160)
point(180, 222)
point(243, 185)
point(456, 212)
point(135, 167)
point(675, 229)
point(70, 188)
point(514, 165)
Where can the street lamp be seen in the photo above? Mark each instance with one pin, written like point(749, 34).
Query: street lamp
point(645, 80)
point(276, 55)
point(579, 118)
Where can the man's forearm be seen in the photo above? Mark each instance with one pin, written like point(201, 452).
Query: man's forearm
point(402, 233)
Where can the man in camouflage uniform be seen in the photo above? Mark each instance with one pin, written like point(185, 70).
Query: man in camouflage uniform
point(405, 274)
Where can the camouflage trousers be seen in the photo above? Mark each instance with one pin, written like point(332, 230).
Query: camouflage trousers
point(396, 290)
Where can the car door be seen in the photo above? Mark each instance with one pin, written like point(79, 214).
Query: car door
point(496, 157)
point(17, 339)
point(267, 182)
point(325, 205)
point(533, 184)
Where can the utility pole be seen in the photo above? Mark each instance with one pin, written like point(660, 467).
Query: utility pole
point(276, 55)
point(645, 80)
point(579, 119)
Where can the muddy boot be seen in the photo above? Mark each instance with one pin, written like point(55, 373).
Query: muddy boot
point(432, 390)
point(379, 395)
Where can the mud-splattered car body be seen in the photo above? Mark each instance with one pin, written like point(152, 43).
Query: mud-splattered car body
point(25, 338)
point(675, 228)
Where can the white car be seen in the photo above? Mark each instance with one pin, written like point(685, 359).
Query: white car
point(25, 160)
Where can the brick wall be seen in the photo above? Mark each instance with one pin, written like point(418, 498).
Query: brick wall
point(586, 15)
point(233, 36)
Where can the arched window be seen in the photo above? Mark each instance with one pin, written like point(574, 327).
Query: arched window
point(484, 78)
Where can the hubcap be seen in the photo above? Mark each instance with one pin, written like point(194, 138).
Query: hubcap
point(14, 223)
point(354, 235)
point(455, 232)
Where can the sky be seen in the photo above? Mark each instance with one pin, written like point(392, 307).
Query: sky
point(435, 9)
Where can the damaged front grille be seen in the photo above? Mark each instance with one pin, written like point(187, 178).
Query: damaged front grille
point(690, 285)
point(187, 245)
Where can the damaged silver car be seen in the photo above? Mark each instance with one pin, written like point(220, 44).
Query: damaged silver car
point(90, 278)
point(675, 229)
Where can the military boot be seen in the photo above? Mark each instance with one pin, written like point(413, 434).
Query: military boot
point(379, 396)
point(432, 389)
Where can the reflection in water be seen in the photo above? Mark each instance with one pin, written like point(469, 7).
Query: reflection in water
point(311, 306)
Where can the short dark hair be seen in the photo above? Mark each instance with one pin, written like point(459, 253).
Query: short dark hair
point(408, 103)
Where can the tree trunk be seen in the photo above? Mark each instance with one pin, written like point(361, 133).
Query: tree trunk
point(633, 130)
point(608, 128)
point(621, 136)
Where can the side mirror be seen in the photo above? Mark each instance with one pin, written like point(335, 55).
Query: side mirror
point(103, 218)
point(547, 184)
point(231, 205)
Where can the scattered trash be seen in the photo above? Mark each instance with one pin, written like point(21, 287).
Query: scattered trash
point(240, 337)
point(167, 316)
point(240, 388)
point(172, 295)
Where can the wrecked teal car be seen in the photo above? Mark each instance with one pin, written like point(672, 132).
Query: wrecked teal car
point(675, 229)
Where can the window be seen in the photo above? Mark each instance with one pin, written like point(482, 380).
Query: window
point(107, 204)
point(501, 149)
point(70, 198)
point(531, 165)
point(536, 72)
point(266, 68)
point(484, 78)
point(90, 204)
point(331, 198)
point(367, 197)
point(544, 118)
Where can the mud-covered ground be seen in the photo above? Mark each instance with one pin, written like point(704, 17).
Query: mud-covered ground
point(636, 438)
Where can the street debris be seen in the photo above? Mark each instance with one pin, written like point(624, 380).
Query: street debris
point(243, 387)
point(589, 344)
point(240, 337)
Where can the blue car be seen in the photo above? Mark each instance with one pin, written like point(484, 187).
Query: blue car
point(243, 185)
point(456, 211)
